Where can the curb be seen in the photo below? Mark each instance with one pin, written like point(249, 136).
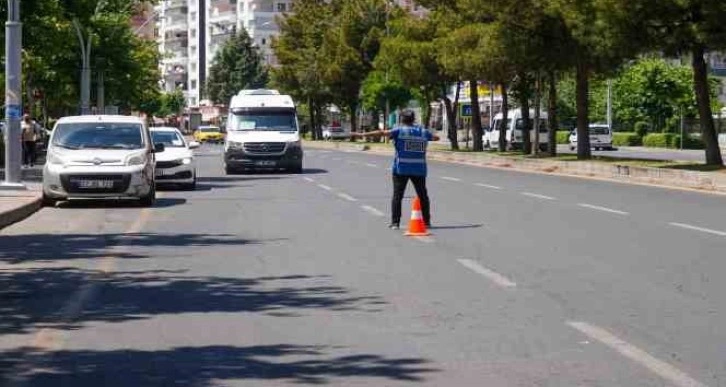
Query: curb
point(666, 178)
point(21, 212)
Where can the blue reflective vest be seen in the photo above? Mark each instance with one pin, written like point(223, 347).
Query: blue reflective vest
point(410, 143)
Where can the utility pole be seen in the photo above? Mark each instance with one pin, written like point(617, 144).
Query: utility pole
point(388, 107)
point(85, 68)
point(13, 97)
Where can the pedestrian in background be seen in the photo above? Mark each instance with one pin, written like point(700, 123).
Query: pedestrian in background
point(30, 135)
point(410, 142)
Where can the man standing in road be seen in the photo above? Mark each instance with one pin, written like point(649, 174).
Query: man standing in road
point(410, 142)
point(30, 134)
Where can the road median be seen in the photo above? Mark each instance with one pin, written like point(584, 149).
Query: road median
point(611, 170)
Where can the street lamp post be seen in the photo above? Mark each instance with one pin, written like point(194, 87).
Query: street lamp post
point(85, 68)
point(13, 96)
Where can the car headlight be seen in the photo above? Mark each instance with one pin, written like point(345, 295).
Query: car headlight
point(136, 160)
point(55, 159)
point(235, 145)
point(186, 160)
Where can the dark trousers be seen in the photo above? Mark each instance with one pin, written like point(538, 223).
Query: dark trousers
point(29, 156)
point(399, 188)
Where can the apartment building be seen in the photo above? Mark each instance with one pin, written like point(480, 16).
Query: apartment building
point(191, 32)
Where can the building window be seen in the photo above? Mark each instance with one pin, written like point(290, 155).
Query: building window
point(264, 41)
point(193, 67)
point(192, 101)
point(194, 84)
point(193, 33)
point(193, 16)
point(193, 51)
point(281, 7)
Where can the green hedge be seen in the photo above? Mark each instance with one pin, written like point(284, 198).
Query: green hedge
point(658, 140)
point(626, 139)
point(563, 136)
point(671, 140)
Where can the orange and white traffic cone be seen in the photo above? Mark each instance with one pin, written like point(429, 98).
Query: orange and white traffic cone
point(417, 227)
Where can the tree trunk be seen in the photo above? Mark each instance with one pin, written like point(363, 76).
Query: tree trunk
point(552, 114)
point(537, 110)
point(427, 114)
point(353, 110)
point(703, 97)
point(503, 122)
point(451, 122)
point(451, 116)
point(319, 121)
point(311, 112)
point(583, 132)
point(475, 116)
point(526, 123)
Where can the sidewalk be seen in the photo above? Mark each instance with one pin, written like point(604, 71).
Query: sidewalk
point(16, 205)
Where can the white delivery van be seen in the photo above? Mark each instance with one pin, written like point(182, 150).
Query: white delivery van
point(514, 126)
point(262, 133)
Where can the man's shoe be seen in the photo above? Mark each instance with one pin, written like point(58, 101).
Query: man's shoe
point(394, 226)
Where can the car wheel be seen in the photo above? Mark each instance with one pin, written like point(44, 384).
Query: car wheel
point(48, 201)
point(298, 169)
point(228, 170)
point(148, 199)
point(193, 185)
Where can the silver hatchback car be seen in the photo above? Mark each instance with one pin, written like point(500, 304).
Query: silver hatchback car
point(105, 157)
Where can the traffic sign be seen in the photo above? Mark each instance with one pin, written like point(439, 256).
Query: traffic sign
point(14, 111)
point(466, 110)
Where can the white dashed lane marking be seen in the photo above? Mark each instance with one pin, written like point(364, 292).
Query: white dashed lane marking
point(493, 276)
point(603, 209)
point(450, 178)
point(347, 197)
point(537, 196)
point(696, 228)
point(325, 187)
point(667, 372)
point(373, 211)
point(488, 186)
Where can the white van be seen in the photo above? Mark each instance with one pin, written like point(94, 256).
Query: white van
point(262, 133)
point(514, 125)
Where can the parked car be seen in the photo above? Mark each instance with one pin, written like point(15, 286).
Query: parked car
point(106, 157)
point(335, 133)
point(209, 133)
point(176, 165)
point(514, 126)
point(600, 137)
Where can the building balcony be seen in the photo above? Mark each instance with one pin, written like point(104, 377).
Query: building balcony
point(173, 4)
point(223, 18)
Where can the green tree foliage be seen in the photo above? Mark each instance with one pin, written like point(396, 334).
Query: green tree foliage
point(237, 66)
point(301, 60)
point(692, 27)
point(377, 90)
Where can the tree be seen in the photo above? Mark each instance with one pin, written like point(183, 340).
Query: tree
point(237, 66)
point(301, 60)
point(380, 91)
point(692, 28)
point(410, 54)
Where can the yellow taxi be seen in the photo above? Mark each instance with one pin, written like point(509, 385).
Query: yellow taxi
point(209, 134)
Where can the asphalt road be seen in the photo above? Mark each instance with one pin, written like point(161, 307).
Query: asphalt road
point(276, 279)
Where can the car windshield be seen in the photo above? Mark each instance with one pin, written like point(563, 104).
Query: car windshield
point(542, 124)
point(280, 120)
point(99, 135)
point(168, 138)
point(209, 129)
point(599, 130)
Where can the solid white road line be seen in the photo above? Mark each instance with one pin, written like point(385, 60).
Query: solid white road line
point(373, 211)
point(347, 197)
point(696, 228)
point(371, 165)
point(325, 187)
point(604, 209)
point(450, 178)
point(309, 179)
point(666, 371)
point(493, 276)
point(487, 186)
point(537, 196)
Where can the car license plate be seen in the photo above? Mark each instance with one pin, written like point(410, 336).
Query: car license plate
point(265, 163)
point(95, 184)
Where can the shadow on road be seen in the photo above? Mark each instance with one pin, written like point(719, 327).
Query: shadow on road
point(41, 298)
point(55, 247)
point(212, 365)
point(100, 203)
point(455, 227)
